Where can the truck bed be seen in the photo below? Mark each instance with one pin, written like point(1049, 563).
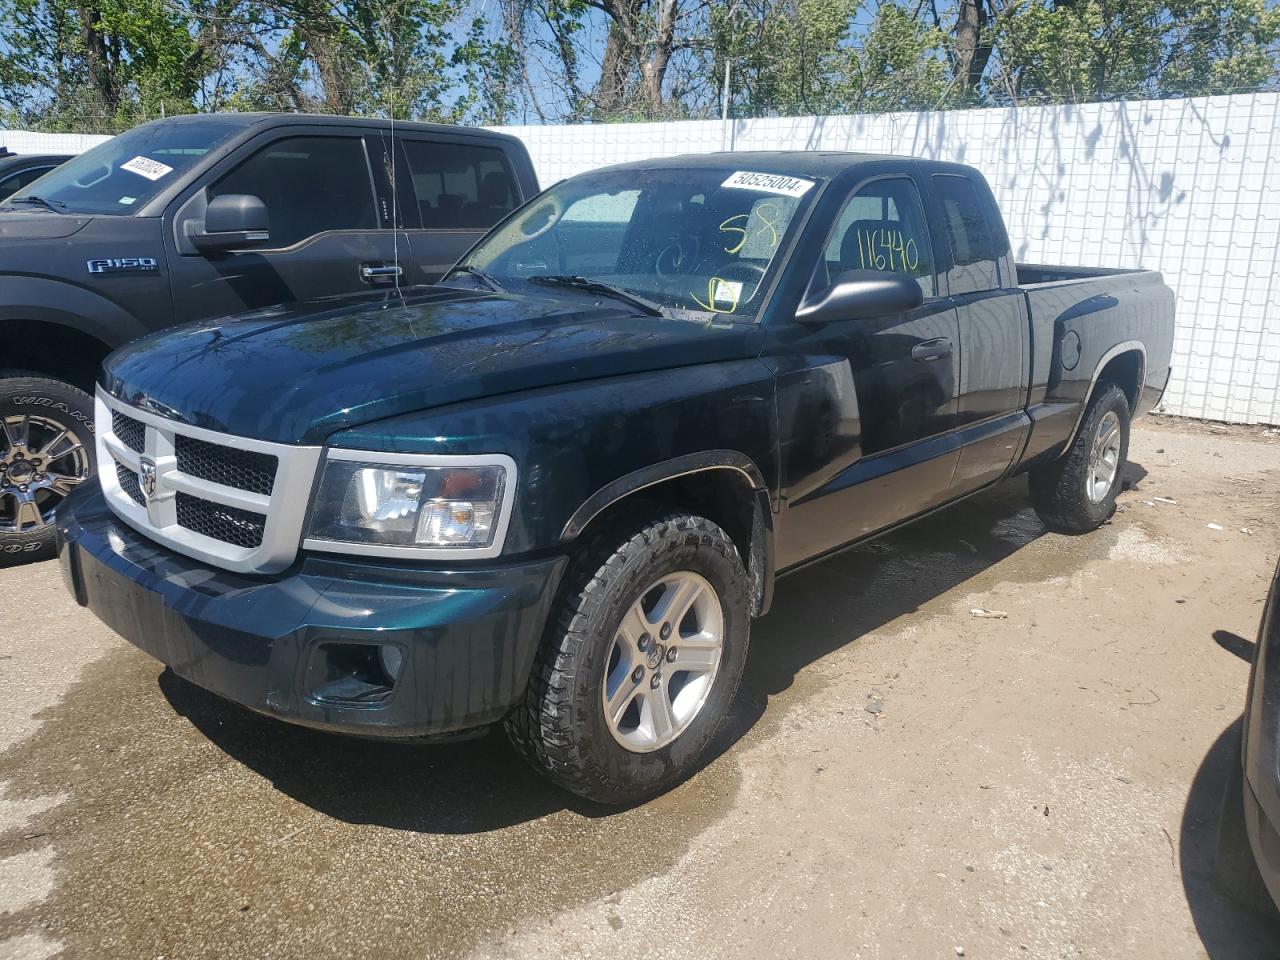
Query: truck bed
point(1082, 318)
point(1038, 274)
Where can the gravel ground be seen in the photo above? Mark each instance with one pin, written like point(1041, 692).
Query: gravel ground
point(900, 779)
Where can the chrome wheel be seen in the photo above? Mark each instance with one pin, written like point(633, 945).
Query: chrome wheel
point(664, 659)
point(41, 461)
point(1104, 459)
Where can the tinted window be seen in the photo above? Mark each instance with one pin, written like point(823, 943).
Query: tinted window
point(973, 249)
point(882, 227)
point(119, 175)
point(309, 184)
point(459, 186)
point(19, 180)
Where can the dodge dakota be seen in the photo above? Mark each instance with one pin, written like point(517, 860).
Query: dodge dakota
point(553, 491)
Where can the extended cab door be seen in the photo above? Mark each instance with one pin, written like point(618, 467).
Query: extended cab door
point(974, 261)
point(866, 426)
point(452, 190)
point(326, 225)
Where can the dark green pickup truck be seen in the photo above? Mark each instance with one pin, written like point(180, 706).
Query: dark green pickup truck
point(554, 491)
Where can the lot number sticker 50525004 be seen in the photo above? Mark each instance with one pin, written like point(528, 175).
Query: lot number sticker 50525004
point(768, 183)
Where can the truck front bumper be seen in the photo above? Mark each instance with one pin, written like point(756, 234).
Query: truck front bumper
point(370, 648)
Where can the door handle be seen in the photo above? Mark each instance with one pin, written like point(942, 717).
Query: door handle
point(369, 272)
point(932, 349)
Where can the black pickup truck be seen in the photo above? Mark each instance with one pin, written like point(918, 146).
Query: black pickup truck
point(554, 491)
point(204, 216)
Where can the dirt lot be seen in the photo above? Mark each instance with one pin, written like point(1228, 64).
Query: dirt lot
point(901, 779)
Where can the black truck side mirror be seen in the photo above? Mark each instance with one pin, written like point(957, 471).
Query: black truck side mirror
point(233, 221)
point(857, 294)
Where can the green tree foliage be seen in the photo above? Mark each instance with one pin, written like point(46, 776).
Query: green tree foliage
point(1085, 50)
point(105, 64)
point(808, 57)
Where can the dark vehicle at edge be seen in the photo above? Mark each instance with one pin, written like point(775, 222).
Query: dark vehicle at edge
point(19, 169)
point(202, 216)
point(1248, 855)
point(553, 492)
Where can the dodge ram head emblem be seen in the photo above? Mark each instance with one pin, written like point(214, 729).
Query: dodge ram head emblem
point(147, 478)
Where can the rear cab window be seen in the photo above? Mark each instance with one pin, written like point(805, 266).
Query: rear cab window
point(457, 186)
point(970, 236)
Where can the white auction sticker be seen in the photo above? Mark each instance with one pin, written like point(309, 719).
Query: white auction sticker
point(728, 291)
point(146, 167)
point(768, 183)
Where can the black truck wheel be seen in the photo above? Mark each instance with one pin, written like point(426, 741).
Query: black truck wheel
point(46, 449)
point(1077, 492)
point(641, 661)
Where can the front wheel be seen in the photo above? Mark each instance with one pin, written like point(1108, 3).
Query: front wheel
point(641, 661)
point(1077, 492)
point(46, 450)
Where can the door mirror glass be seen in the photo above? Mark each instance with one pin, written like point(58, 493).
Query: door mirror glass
point(232, 221)
point(859, 294)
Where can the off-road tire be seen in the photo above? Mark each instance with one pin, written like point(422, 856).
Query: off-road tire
point(1058, 487)
point(22, 393)
point(560, 726)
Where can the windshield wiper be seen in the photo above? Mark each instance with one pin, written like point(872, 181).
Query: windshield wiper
point(484, 277)
point(599, 286)
point(57, 206)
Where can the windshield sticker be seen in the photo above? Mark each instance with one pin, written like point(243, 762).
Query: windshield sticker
point(728, 291)
point(146, 167)
point(768, 183)
point(766, 227)
point(720, 291)
point(128, 200)
point(885, 249)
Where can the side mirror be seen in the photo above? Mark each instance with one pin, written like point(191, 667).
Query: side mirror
point(233, 221)
point(858, 294)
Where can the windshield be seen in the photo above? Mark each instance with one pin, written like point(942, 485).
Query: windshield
point(698, 239)
point(121, 174)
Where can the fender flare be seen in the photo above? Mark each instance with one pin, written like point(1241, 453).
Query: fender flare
point(656, 473)
point(1127, 346)
point(67, 305)
point(760, 564)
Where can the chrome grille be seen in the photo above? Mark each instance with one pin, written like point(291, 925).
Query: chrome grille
point(130, 431)
point(242, 469)
point(204, 493)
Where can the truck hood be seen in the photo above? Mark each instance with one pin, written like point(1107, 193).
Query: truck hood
point(18, 224)
point(297, 374)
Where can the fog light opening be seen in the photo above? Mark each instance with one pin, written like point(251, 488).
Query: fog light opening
point(354, 673)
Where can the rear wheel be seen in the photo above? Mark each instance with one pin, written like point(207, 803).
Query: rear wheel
point(641, 661)
point(46, 450)
point(1077, 492)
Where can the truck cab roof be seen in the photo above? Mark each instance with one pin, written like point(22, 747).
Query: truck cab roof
point(824, 164)
point(265, 119)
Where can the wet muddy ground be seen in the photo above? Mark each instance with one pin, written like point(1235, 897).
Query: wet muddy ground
point(900, 778)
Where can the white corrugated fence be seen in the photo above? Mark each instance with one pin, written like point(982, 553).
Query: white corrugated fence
point(1188, 187)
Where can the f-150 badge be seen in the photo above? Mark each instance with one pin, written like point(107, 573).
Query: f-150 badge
point(122, 264)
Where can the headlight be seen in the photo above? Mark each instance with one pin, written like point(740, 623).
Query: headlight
point(412, 505)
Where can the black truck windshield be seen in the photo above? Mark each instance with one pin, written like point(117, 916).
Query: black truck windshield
point(119, 176)
point(700, 239)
